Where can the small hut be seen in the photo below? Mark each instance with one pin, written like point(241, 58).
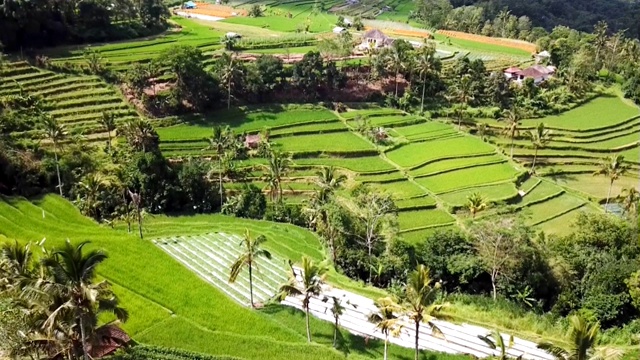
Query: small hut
point(252, 141)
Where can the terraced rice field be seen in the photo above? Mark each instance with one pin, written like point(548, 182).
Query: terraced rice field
point(76, 101)
point(580, 139)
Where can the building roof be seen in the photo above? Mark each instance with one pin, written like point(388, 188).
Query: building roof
point(531, 73)
point(375, 34)
point(190, 4)
point(542, 69)
point(544, 53)
point(338, 30)
point(512, 70)
point(108, 339)
point(252, 138)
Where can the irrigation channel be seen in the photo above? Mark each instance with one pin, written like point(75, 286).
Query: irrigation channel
point(211, 255)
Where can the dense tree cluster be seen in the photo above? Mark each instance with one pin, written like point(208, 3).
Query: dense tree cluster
point(526, 20)
point(28, 24)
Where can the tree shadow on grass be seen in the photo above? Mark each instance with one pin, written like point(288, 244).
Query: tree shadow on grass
point(235, 116)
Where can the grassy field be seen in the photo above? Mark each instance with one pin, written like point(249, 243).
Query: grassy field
point(420, 153)
point(316, 23)
point(170, 305)
point(469, 177)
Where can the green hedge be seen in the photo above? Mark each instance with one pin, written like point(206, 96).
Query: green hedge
point(146, 352)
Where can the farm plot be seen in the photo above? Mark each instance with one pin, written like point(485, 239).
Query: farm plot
point(597, 187)
point(544, 190)
point(469, 177)
point(210, 256)
point(599, 113)
point(422, 153)
point(411, 220)
point(76, 101)
point(247, 120)
point(402, 189)
point(552, 208)
point(446, 165)
point(425, 131)
point(302, 21)
point(342, 142)
point(496, 192)
point(122, 54)
point(365, 164)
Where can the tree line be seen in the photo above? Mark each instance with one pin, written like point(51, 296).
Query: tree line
point(526, 20)
point(26, 24)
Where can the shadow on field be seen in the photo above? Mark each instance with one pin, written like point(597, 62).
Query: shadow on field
point(236, 116)
point(347, 343)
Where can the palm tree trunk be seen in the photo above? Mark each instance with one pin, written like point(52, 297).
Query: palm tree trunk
point(55, 155)
point(417, 338)
point(386, 344)
point(424, 87)
point(335, 333)
point(606, 205)
point(109, 143)
point(229, 94)
point(396, 80)
point(83, 334)
point(332, 244)
point(494, 291)
point(535, 157)
point(220, 178)
point(307, 323)
point(251, 284)
point(139, 220)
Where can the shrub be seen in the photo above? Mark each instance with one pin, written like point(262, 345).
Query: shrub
point(250, 203)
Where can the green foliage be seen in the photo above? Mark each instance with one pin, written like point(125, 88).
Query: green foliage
point(142, 352)
point(250, 203)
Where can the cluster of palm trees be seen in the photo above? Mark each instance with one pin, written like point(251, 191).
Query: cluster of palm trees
point(59, 300)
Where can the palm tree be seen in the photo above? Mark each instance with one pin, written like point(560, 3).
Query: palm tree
point(108, 121)
point(74, 274)
point(336, 310)
point(611, 167)
point(421, 306)
point(228, 72)
point(512, 117)
point(386, 319)
point(136, 199)
point(55, 132)
point(312, 278)
point(630, 199)
point(583, 336)
point(395, 60)
point(277, 168)
point(328, 181)
point(91, 186)
point(140, 134)
point(495, 340)
point(476, 203)
point(220, 141)
point(539, 137)
point(252, 251)
point(463, 95)
point(426, 63)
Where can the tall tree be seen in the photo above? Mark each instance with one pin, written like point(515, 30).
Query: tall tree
point(221, 141)
point(312, 277)
point(228, 72)
point(328, 181)
point(90, 189)
point(55, 132)
point(277, 168)
point(539, 137)
point(386, 319)
point(512, 117)
point(612, 167)
point(84, 300)
point(337, 309)
point(136, 200)
point(427, 63)
point(422, 303)
point(462, 93)
point(630, 198)
point(377, 212)
point(141, 135)
point(583, 337)
point(251, 252)
point(108, 122)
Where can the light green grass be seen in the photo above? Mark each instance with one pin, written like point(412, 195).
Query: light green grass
point(494, 192)
point(423, 201)
point(317, 23)
point(565, 224)
point(452, 164)
point(401, 189)
point(468, 177)
point(334, 142)
point(554, 207)
point(313, 127)
point(282, 50)
point(422, 218)
point(244, 119)
point(598, 186)
point(478, 47)
point(359, 164)
point(542, 191)
point(601, 112)
point(420, 153)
